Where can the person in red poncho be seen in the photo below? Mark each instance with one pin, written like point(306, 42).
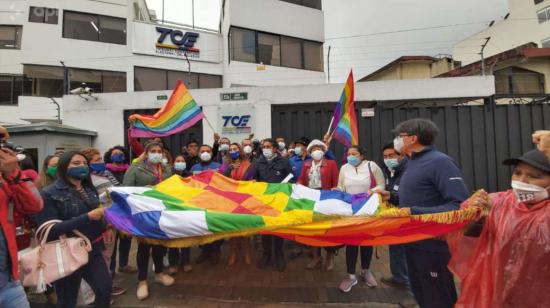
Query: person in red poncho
point(503, 260)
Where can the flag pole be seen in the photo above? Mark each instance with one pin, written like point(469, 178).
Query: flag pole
point(209, 124)
point(330, 125)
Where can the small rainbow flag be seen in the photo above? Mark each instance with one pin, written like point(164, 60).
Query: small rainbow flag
point(345, 121)
point(179, 113)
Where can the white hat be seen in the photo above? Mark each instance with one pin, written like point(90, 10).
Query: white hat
point(315, 142)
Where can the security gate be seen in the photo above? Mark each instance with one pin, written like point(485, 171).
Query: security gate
point(478, 137)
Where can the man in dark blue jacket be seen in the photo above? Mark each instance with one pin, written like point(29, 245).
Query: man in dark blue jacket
point(432, 183)
point(271, 168)
point(393, 167)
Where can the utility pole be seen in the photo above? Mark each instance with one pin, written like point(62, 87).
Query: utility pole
point(328, 63)
point(482, 58)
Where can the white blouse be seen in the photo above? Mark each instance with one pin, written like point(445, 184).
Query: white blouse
point(355, 180)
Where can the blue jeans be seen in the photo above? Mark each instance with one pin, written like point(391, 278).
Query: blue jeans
point(398, 264)
point(12, 295)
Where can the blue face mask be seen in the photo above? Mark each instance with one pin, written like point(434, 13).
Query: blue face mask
point(99, 167)
point(391, 163)
point(78, 173)
point(180, 165)
point(354, 160)
point(298, 151)
point(118, 158)
point(154, 158)
point(234, 155)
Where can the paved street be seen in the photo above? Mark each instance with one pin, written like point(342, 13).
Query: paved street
point(242, 285)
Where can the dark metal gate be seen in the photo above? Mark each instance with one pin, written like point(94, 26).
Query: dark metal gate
point(478, 137)
point(175, 142)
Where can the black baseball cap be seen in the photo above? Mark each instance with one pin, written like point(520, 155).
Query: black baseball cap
point(303, 140)
point(534, 158)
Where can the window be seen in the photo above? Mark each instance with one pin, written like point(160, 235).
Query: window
point(544, 14)
point(153, 79)
point(546, 43)
point(10, 37)
point(538, 1)
point(313, 56)
point(269, 49)
point(243, 45)
point(515, 80)
point(314, 4)
point(43, 15)
point(46, 81)
point(291, 52)
point(94, 27)
point(273, 49)
point(11, 87)
point(98, 81)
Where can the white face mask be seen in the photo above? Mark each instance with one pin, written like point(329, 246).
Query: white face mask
point(398, 144)
point(205, 156)
point(164, 161)
point(529, 193)
point(281, 145)
point(155, 158)
point(224, 147)
point(180, 166)
point(298, 151)
point(317, 155)
point(247, 149)
point(268, 153)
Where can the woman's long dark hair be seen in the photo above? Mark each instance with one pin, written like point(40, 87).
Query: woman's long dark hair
point(63, 167)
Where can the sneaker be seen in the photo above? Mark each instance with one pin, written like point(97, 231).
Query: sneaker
point(347, 283)
point(172, 270)
point(142, 290)
point(390, 281)
point(368, 278)
point(116, 291)
point(165, 280)
point(280, 264)
point(127, 269)
point(187, 268)
point(264, 262)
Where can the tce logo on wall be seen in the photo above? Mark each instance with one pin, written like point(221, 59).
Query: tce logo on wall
point(182, 43)
point(236, 124)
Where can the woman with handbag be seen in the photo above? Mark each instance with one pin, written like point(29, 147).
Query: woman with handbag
point(73, 199)
point(149, 171)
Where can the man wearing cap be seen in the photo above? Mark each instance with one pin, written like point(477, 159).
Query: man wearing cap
point(508, 263)
point(432, 183)
point(300, 156)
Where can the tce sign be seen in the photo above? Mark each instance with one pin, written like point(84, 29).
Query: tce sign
point(184, 41)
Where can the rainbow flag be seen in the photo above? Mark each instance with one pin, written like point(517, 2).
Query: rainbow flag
point(179, 113)
point(345, 121)
point(181, 212)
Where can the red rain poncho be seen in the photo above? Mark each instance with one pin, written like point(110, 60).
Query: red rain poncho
point(509, 264)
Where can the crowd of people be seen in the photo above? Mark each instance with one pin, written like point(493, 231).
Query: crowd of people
point(413, 176)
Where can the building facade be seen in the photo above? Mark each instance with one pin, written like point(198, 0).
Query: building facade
point(48, 48)
point(527, 21)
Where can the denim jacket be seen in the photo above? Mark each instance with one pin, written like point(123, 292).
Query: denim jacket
point(63, 202)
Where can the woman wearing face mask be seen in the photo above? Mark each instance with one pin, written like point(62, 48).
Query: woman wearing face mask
point(116, 159)
point(48, 173)
point(319, 173)
point(73, 199)
point(179, 257)
point(359, 176)
point(503, 258)
point(211, 251)
point(148, 172)
point(240, 169)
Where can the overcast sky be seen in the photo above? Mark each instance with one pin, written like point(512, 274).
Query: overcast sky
point(353, 30)
point(367, 34)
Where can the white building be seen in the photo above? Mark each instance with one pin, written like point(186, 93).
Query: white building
point(527, 21)
point(116, 46)
point(267, 53)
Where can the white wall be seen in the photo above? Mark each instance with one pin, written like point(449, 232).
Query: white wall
point(105, 116)
point(521, 27)
point(278, 17)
